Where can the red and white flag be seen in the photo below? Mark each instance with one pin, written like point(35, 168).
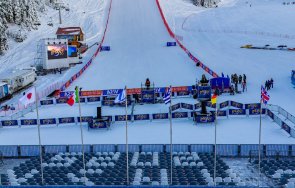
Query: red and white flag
point(28, 97)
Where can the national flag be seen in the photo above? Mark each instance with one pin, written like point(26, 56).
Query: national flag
point(121, 97)
point(167, 96)
point(28, 97)
point(73, 97)
point(264, 95)
point(213, 99)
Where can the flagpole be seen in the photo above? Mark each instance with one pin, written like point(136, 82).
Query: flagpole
point(259, 145)
point(81, 131)
point(215, 144)
point(126, 120)
point(39, 135)
point(171, 144)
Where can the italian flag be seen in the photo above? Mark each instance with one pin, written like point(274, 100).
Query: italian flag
point(74, 98)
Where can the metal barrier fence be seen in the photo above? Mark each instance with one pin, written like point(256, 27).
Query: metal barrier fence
point(226, 150)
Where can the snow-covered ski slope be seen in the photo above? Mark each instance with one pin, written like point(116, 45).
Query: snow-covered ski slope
point(215, 36)
point(137, 38)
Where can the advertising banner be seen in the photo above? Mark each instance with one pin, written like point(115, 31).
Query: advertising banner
point(148, 96)
point(161, 116)
point(256, 111)
point(237, 112)
point(171, 44)
point(86, 119)
point(175, 107)
point(50, 121)
point(9, 123)
point(270, 114)
point(220, 113)
point(253, 106)
point(286, 127)
point(204, 92)
point(28, 122)
point(141, 117)
point(46, 102)
point(187, 106)
point(122, 117)
point(224, 104)
point(177, 115)
point(236, 104)
point(204, 119)
point(66, 120)
point(57, 51)
point(93, 99)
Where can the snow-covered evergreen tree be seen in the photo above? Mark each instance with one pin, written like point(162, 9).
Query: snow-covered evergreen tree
point(206, 3)
point(20, 12)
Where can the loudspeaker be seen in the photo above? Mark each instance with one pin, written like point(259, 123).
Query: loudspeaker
point(98, 112)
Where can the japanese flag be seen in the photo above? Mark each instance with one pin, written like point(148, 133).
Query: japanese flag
point(28, 97)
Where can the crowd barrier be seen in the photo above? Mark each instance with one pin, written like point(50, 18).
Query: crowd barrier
point(78, 74)
point(226, 150)
point(191, 56)
point(114, 186)
point(179, 111)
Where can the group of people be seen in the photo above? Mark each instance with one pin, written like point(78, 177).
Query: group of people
point(268, 84)
point(235, 80)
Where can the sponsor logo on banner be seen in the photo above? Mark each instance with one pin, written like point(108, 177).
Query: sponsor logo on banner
point(148, 96)
point(108, 103)
point(134, 91)
point(98, 125)
point(209, 104)
point(256, 111)
point(252, 106)
point(122, 118)
point(183, 93)
point(91, 93)
point(161, 116)
point(179, 115)
point(270, 114)
point(171, 43)
point(175, 107)
point(286, 127)
point(50, 121)
point(28, 122)
point(224, 104)
point(187, 106)
point(112, 92)
point(61, 100)
point(141, 117)
point(9, 123)
point(46, 102)
point(179, 89)
point(93, 99)
point(66, 120)
point(204, 119)
point(237, 112)
point(220, 113)
point(105, 48)
point(86, 119)
point(204, 92)
point(236, 104)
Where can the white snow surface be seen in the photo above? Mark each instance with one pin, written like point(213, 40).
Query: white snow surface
point(222, 34)
point(138, 38)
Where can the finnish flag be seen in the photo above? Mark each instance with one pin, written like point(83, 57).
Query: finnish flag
point(121, 97)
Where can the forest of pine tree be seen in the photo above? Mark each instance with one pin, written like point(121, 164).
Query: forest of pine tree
point(20, 12)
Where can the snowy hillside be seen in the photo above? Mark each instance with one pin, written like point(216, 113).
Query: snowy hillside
point(216, 35)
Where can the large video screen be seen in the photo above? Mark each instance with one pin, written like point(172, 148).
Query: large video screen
point(72, 51)
point(57, 51)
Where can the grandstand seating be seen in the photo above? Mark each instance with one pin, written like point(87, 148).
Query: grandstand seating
point(109, 168)
point(281, 171)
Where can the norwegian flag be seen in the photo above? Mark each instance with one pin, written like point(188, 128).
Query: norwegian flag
point(264, 95)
